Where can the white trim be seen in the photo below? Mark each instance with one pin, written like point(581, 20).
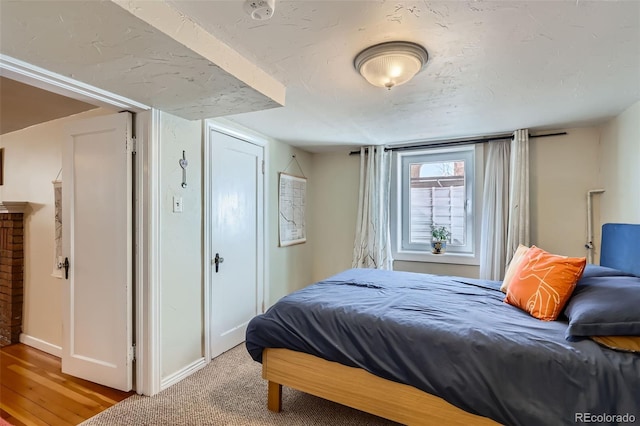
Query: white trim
point(183, 373)
point(452, 258)
point(147, 371)
point(153, 357)
point(140, 244)
point(206, 253)
point(12, 207)
point(267, 236)
point(426, 257)
point(40, 344)
point(231, 129)
point(24, 72)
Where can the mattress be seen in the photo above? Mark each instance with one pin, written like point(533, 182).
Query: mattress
point(454, 338)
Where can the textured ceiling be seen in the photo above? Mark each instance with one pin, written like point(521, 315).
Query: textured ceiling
point(143, 50)
point(494, 66)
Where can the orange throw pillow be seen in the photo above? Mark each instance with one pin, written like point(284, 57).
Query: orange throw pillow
point(543, 283)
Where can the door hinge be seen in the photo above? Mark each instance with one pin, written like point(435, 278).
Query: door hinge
point(132, 145)
point(262, 166)
point(132, 353)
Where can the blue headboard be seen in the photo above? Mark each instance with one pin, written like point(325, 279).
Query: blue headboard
point(621, 247)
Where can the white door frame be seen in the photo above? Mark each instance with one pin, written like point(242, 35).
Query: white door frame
point(236, 131)
point(147, 246)
point(32, 75)
point(147, 205)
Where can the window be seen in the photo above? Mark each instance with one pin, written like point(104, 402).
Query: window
point(437, 187)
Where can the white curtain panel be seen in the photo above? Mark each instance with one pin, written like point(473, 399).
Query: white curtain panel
point(495, 217)
point(518, 229)
point(372, 248)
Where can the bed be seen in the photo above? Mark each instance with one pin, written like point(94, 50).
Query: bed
point(426, 349)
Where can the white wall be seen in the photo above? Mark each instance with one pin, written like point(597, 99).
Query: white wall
point(620, 159)
point(181, 286)
point(32, 160)
point(562, 169)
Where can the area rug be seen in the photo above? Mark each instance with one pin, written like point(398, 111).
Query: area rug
point(229, 391)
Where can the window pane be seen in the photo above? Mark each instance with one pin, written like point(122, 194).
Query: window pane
point(436, 187)
point(437, 198)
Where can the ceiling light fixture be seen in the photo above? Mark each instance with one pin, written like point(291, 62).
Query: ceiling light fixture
point(392, 63)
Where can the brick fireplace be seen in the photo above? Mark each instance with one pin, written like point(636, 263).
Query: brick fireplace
point(11, 270)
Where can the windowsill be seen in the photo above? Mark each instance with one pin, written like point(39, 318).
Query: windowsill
point(452, 258)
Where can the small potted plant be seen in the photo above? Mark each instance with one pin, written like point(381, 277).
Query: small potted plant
point(439, 237)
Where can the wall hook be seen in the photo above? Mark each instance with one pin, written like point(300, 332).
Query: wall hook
point(184, 163)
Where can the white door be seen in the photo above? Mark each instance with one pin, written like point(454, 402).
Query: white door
point(237, 209)
point(97, 240)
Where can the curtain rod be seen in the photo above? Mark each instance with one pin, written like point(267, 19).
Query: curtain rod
point(459, 142)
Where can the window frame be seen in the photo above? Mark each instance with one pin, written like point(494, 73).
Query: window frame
point(474, 208)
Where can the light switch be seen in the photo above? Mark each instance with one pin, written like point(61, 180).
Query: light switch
point(177, 204)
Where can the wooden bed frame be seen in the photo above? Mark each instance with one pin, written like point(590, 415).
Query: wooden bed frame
point(357, 388)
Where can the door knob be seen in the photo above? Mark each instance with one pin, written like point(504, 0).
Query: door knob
point(218, 260)
point(65, 265)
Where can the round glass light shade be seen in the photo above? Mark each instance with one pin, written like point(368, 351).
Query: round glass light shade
point(391, 64)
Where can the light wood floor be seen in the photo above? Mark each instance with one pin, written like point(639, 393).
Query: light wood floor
point(34, 391)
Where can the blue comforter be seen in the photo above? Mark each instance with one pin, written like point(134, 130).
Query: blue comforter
point(454, 338)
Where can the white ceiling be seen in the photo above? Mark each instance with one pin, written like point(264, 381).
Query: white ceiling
point(494, 66)
point(118, 47)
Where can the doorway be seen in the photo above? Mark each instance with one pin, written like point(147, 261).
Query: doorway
point(39, 79)
point(234, 234)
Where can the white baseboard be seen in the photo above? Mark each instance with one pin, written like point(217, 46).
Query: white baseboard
point(41, 344)
point(182, 374)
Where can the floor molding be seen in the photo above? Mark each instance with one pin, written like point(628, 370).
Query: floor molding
point(183, 373)
point(41, 345)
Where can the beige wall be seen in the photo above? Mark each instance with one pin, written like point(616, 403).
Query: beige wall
point(335, 197)
point(335, 200)
point(290, 268)
point(181, 286)
point(32, 160)
point(620, 159)
point(563, 168)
